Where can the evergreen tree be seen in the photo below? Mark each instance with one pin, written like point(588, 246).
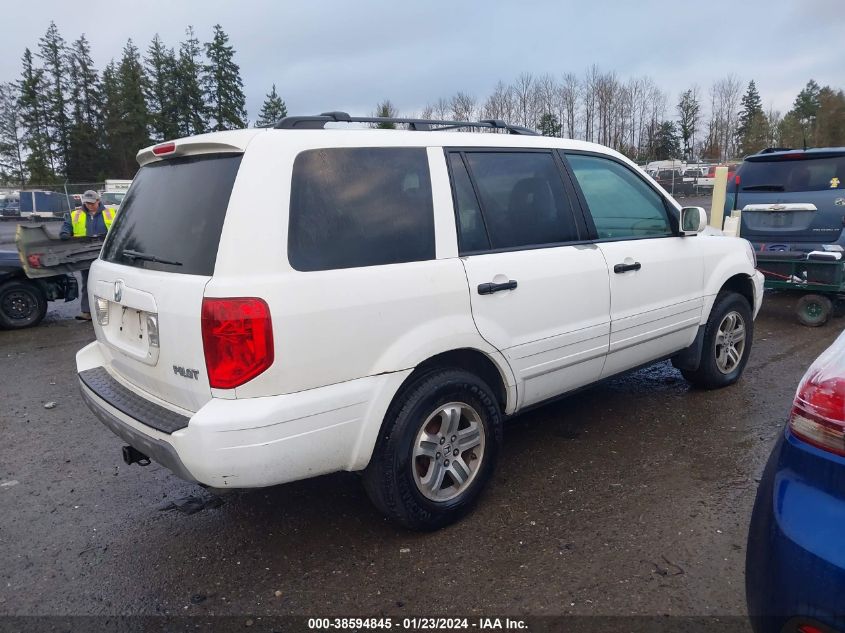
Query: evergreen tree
point(161, 90)
point(11, 151)
point(751, 133)
point(222, 85)
point(666, 142)
point(830, 121)
point(549, 125)
point(386, 110)
point(126, 118)
point(134, 134)
point(84, 160)
point(688, 116)
point(272, 110)
point(53, 51)
point(804, 111)
point(36, 138)
point(191, 117)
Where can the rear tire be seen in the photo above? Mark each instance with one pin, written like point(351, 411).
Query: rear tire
point(727, 343)
point(437, 449)
point(22, 304)
point(813, 310)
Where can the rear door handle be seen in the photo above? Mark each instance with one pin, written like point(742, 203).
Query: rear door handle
point(623, 268)
point(490, 288)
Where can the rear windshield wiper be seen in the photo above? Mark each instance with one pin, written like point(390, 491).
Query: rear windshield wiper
point(763, 188)
point(147, 257)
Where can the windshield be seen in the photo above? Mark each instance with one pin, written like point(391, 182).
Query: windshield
point(806, 174)
point(110, 197)
point(172, 216)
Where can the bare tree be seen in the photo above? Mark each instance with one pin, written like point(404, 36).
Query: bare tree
point(568, 93)
point(588, 98)
point(462, 107)
point(522, 90)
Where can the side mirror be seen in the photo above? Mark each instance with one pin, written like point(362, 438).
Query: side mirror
point(693, 220)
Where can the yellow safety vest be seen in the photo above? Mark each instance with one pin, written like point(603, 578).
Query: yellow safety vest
point(79, 219)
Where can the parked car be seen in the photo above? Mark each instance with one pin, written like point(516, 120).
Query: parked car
point(23, 301)
point(705, 183)
point(795, 565)
point(674, 181)
point(791, 200)
point(112, 199)
point(403, 293)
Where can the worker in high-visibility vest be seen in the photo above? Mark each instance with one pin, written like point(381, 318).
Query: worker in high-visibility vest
point(93, 220)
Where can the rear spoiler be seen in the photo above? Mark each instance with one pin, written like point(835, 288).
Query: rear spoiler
point(233, 142)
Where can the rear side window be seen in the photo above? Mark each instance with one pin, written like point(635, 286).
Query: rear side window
point(621, 203)
point(471, 231)
point(816, 174)
point(353, 207)
point(523, 198)
point(174, 212)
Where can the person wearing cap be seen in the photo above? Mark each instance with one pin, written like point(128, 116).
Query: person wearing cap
point(93, 220)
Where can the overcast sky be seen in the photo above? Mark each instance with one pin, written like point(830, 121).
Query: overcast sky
point(349, 55)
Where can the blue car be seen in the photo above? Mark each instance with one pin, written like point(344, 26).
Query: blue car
point(795, 562)
point(791, 200)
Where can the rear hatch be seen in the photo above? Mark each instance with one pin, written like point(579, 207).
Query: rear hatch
point(149, 282)
point(791, 199)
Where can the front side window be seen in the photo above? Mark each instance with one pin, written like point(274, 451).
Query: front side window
point(353, 207)
point(523, 199)
point(622, 205)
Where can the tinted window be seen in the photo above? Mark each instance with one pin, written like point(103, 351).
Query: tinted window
point(622, 205)
point(815, 174)
point(523, 199)
point(360, 207)
point(471, 232)
point(174, 210)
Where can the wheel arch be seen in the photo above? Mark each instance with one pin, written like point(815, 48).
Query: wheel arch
point(472, 360)
point(741, 284)
point(492, 368)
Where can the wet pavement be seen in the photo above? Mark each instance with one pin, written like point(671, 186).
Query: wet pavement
point(632, 497)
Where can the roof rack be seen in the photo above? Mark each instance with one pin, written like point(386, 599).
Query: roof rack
point(318, 121)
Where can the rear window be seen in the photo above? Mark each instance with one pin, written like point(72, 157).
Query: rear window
point(174, 212)
point(353, 207)
point(815, 174)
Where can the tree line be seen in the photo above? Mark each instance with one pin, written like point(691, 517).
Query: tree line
point(634, 116)
point(63, 120)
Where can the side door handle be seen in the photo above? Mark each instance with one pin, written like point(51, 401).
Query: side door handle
point(490, 288)
point(623, 268)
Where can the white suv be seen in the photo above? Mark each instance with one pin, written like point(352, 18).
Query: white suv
point(276, 304)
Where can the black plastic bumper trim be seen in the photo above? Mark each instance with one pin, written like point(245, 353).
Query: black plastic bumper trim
point(136, 407)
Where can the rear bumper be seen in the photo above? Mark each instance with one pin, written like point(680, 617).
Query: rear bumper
point(795, 565)
point(254, 442)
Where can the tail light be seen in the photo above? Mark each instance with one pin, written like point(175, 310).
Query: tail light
point(818, 412)
point(237, 337)
point(162, 149)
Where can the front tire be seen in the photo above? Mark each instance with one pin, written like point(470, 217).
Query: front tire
point(22, 304)
point(727, 343)
point(437, 449)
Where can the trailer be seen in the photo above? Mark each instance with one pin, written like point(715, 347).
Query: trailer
point(819, 277)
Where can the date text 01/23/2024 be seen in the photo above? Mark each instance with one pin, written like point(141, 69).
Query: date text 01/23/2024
point(416, 624)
